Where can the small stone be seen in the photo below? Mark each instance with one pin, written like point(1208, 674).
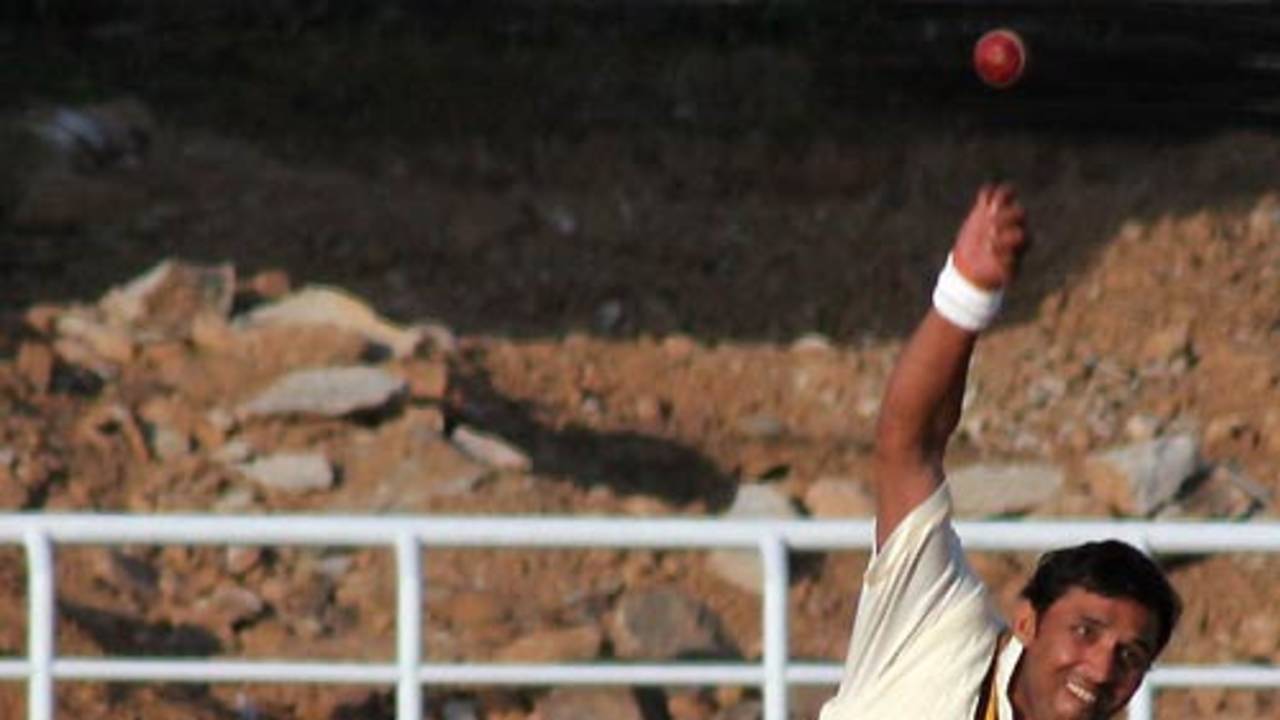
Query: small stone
point(428, 380)
point(812, 343)
point(609, 316)
point(1264, 219)
point(43, 317)
point(169, 443)
point(679, 347)
point(643, 506)
point(234, 451)
point(1167, 344)
point(212, 332)
point(128, 573)
point(1142, 426)
point(649, 409)
point(35, 363)
point(744, 710)
point(461, 709)
point(333, 567)
point(1224, 428)
point(761, 427)
point(240, 559)
point(221, 420)
point(438, 338)
point(232, 604)
point(1260, 632)
point(236, 500)
point(1207, 700)
point(688, 706)
point(290, 472)
point(729, 695)
point(270, 284)
point(490, 449)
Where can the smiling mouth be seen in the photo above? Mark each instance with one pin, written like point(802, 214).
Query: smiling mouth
point(1080, 693)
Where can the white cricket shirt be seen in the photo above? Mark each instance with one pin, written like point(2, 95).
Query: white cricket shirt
point(924, 630)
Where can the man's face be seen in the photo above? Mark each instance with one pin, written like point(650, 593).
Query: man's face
point(1084, 656)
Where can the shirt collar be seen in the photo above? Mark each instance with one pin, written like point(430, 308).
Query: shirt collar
point(1006, 663)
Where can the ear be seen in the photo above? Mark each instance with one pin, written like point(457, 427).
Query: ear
point(1024, 621)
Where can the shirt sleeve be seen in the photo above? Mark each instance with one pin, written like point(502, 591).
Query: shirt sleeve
point(912, 584)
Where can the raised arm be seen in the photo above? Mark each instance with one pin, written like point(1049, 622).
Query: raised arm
point(921, 404)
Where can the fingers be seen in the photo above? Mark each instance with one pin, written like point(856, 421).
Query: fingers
point(992, 238)
point(995, 197)
point(1008, 232)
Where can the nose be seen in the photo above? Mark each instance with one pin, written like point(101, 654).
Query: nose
point(1100, 663)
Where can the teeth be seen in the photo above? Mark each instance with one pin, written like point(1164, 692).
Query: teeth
point(1083, 695)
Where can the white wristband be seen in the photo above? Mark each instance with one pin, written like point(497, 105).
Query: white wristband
point(962, 303)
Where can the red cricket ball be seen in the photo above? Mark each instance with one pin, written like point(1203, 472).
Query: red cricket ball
point(1000, 57)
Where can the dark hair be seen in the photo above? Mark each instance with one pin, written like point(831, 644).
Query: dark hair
point(1110, 568)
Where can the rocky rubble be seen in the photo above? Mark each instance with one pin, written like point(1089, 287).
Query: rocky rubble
point(188, 389)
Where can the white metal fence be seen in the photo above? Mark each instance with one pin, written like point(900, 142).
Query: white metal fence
point(409, 537)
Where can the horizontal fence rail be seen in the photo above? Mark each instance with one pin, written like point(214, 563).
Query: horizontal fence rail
point(409, 536)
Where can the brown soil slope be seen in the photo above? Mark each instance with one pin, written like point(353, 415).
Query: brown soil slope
point(657, 273)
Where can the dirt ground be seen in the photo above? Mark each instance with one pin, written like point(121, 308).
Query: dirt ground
point(672, 268)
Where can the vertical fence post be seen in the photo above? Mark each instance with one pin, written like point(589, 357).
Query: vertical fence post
point(773, 552)
point(1141, 705)
point(408, 626)
point(41, 618)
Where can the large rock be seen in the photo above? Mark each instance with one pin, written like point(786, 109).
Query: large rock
point(290, 472)
point(560, 645)
point(101, 339)
point(988, 489)
point(436, 471)
point(404, 465)
point(839, 497)
point(331, 392)
point(743, 568)
point(166, 301)
point(1142, 478)
point(662, 624)
point(317, 305)
point(1224, 492)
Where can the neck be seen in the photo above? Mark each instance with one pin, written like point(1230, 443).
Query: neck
point(1018, 693)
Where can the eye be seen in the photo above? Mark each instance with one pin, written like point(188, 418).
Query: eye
point(1133, 658)
point(1084, 631)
